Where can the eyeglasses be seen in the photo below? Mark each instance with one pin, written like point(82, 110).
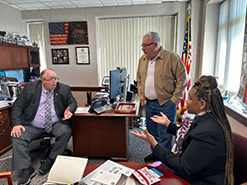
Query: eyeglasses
point(145, 45)
point(51, 78)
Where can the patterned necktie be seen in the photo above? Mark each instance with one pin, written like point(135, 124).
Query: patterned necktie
point(48, 125)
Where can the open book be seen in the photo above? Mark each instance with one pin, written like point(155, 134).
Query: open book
point(66, 170)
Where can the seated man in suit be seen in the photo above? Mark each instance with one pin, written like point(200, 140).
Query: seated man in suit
point(44, 106)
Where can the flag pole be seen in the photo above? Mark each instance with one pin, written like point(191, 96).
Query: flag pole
point(189, 9)
point(186, 59)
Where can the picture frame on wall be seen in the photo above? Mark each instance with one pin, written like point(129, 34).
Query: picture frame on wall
point(82, 55)
point(60, 56)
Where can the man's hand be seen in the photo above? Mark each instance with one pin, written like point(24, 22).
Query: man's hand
point(146, 136)
point(143, 103)
point(163, 120)
point(67, 114)
point(16, 131)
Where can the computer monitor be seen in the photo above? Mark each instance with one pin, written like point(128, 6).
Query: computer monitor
point(115, 84)
point(2, 74)
point(18, 74)
point(126, 87)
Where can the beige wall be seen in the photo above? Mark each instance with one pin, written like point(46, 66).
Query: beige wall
point(87, 75)
point(237, 127)
point(10, 20)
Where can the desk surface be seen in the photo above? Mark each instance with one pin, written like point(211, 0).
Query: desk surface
point(167, 179)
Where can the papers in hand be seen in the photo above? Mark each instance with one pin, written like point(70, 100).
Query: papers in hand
point(67, 170)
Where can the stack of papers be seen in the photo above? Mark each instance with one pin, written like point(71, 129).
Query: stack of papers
point(109, 173)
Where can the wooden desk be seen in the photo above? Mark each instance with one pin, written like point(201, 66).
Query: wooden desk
point(104, 135)
point(167, 179)
point(5, 141)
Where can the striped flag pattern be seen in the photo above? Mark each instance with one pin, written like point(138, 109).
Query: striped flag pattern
point(58, 33)
point(186, 59)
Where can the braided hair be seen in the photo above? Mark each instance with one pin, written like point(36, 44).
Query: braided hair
point(206, 89)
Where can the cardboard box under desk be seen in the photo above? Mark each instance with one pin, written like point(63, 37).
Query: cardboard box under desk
point(125, 108)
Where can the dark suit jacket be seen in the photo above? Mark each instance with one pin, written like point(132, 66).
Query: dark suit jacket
point(27, 103)
point(203, 153)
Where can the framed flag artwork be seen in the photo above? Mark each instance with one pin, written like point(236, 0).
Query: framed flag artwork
point(63, 33)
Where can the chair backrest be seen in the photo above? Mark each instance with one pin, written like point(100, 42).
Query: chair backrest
point(6, 175)
point(240, 158)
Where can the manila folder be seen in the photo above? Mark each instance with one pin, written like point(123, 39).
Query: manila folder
point(67, 170)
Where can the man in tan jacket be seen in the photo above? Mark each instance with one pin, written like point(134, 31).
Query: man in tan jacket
point(161, 81)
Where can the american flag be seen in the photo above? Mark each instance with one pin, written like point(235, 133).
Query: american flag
point(58, 33)
point(186, 59)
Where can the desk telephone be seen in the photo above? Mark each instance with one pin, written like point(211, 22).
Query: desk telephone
point(98, 106)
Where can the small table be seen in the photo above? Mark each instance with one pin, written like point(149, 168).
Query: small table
point(167, 178)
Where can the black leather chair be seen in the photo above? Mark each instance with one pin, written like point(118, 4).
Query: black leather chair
point(46, 146)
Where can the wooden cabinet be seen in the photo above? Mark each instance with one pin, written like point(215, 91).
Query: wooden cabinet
point(18, 57)
point(5, 143)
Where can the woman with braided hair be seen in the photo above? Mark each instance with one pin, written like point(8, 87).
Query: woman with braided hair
point(207, 149)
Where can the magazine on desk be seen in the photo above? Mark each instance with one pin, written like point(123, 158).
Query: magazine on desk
point(66, 170)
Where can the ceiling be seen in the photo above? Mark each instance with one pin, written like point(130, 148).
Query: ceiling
point(60, 4)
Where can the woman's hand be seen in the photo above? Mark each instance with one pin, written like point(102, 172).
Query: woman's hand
point(145, 136)
point(163, 120)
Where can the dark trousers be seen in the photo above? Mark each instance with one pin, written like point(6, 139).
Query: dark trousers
point(157, 130)
point(21, 153)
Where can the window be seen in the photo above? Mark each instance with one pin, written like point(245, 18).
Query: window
point(120, 41)
point(36, 32)
point(230, 43)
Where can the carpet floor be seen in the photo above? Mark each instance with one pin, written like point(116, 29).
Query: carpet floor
point(138, 149)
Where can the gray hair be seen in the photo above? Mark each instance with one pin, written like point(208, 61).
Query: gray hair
point(154, 36)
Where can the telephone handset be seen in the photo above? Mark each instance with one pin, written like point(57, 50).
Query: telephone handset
point(97, 106)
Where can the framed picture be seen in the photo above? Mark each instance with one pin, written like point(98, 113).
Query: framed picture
point(60, 56)
point(82, 55)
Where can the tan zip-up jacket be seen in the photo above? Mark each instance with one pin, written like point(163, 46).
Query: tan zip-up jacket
point(170, 77)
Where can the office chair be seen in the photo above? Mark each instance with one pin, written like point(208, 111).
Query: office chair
point(46, 146)
point(6, 175)
point(240, 158)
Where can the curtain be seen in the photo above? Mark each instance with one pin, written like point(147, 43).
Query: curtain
point(230, 43)
point(37, 34)
point(222, 43)
point(235, 42)
point(120, 41)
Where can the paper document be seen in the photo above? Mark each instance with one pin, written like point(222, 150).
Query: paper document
point(67, 170)
point(108, 166)
point(106, 178)
point(82, 110)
